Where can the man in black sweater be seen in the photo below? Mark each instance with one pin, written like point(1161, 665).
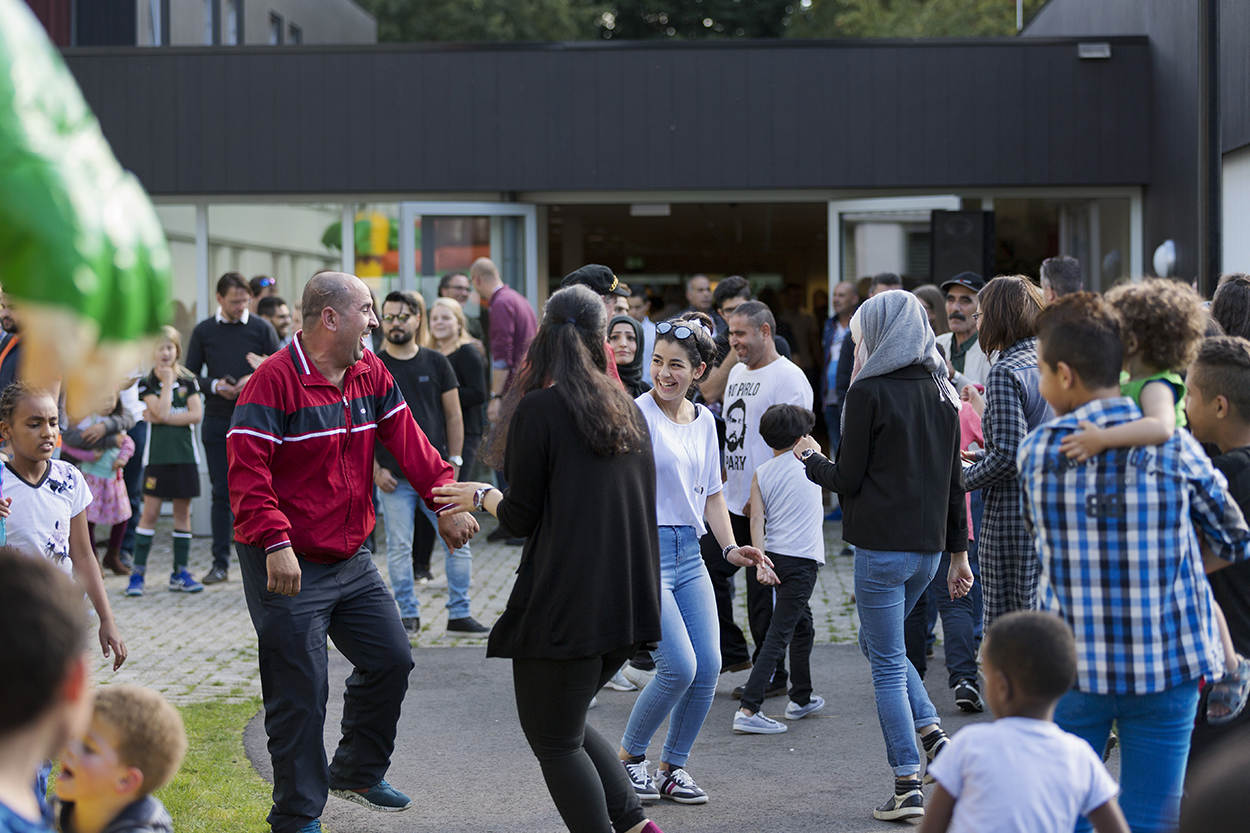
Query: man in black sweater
point(217, 354)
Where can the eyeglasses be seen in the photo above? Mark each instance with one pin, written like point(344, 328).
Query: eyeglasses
point(402, 318)
point(679, 331)
point(976, 316)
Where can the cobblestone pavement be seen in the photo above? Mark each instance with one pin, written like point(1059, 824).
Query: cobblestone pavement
point(200, 647)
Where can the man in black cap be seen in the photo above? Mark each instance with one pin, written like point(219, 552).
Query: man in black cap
point(608, 287)
point(965, 355)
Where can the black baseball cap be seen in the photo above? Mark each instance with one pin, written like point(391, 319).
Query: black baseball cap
point(968, 280)
point(598, 278)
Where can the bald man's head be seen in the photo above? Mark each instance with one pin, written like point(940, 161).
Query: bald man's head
point(327, 289)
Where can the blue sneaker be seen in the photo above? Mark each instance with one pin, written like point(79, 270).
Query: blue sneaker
point(381, 796)
point(313, 826)
point(135, 588)
point(182, 582)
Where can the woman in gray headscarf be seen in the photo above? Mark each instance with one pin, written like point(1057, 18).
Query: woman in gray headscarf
point(897, 474)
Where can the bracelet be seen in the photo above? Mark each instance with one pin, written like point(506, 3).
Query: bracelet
point(725, 552)
point(479, 496)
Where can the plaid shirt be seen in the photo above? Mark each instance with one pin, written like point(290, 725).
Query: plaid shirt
point(1120, 560)
point(1013, 406)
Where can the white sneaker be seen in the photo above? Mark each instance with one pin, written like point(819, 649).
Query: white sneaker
point(644, 784)
point(757, 724)
point(637, 676)
point(796, 712)
point(619, 683)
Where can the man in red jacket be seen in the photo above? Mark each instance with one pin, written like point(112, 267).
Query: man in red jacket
point(300, 451)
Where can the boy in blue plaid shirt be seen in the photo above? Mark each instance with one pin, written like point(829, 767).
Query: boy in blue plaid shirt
point(1120, 561)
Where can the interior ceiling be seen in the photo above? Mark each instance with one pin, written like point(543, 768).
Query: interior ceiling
point(712, 237)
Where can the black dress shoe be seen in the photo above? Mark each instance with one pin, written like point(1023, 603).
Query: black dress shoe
point(215, 576)
point(412, 624)
point(728, 668)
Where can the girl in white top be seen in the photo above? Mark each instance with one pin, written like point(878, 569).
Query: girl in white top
point(688, 493)
point(44, 501)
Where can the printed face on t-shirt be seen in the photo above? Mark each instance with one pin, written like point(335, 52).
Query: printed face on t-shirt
point(736, 425)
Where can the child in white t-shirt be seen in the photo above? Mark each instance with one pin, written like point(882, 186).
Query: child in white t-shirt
point(1022, 773)
point(44, 501)
point(787, 517)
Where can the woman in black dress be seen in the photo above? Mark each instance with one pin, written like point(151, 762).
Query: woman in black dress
point(581, 489)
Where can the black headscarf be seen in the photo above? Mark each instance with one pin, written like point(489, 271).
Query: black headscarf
point(631, 374)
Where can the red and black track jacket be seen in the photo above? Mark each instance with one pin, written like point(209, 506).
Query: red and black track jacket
point(301, 454)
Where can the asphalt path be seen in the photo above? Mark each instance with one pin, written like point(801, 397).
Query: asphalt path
point(461, 756)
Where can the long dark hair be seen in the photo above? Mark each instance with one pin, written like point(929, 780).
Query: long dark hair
point(568, 351)
point(699, 346)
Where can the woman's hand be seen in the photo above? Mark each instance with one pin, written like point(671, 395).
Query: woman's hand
point(804, 444)
point(1086, 443)
point(959, 577)
point(973, 397)
point(458, 497)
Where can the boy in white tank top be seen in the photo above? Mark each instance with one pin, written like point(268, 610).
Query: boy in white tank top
point(786, 518)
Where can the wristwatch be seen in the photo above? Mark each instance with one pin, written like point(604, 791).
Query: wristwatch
point(807, 452)
point(725, 552)
point(456, 460)
point(479, 496)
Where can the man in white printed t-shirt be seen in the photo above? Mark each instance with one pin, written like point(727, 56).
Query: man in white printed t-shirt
point(760, 379)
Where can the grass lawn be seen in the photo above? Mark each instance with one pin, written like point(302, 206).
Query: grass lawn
point(217, 789)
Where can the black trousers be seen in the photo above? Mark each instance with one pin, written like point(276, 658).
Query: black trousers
point(583, 774)
point(349, 603)
point(791, 626)
point(213, 434)
point(733, 645)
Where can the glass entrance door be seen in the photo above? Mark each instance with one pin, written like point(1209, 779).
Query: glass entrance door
point(884, 234)
point(441, 237)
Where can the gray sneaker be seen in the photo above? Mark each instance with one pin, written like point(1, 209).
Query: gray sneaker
point(757, 724)
point(796, 712)
point(677, 785)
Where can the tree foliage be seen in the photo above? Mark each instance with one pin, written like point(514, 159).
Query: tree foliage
point(907, 18)
point(564, 20)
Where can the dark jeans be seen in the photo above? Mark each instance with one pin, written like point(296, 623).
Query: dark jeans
point(733, 645)
point(583, 774)
point(958, 624)
point(349, 603)
point(213, 435)
point(133, 475)
point(791, 625)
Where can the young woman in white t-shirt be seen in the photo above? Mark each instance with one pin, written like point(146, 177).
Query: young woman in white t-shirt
point(688, 493)
point(44, 501)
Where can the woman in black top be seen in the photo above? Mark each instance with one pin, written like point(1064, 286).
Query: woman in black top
point(581, 489)
point(897, 475)
point(450, 336)
point(625, 336)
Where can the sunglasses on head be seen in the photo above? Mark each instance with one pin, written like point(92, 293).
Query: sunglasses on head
point(263, 282)
point(679, 331)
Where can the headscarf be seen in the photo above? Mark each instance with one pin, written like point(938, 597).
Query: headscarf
point(631, 374)
point(892, 331)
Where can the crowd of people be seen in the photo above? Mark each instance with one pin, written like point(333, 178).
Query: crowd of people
point(1058, 476)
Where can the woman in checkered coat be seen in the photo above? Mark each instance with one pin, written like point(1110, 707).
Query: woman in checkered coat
point(1006, 325)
